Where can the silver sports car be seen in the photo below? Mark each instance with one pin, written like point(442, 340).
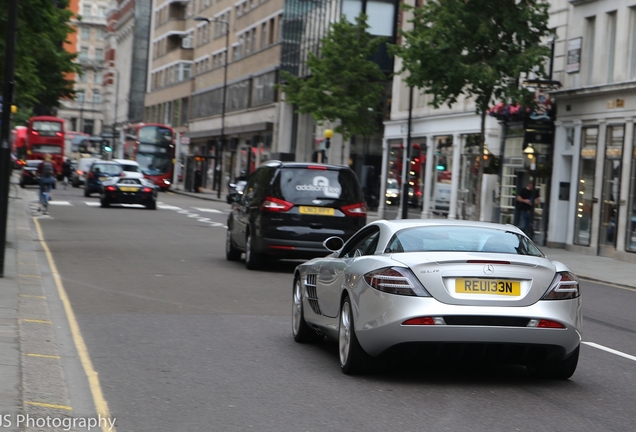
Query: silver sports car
point(476, 289)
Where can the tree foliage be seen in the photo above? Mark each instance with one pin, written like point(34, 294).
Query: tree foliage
point(42, 65)
point(475, 48)
point(345, 84)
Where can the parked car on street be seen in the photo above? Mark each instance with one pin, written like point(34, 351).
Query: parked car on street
point(29, 175)
point(462, 290)
point(98, 172)
point(128, 190)
point(79, 174)
point(131, 168)
point(288, 209)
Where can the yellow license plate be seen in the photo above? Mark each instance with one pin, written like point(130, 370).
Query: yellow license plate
point(128, 189)
point(321, 211)
point(488, 286)
point(103, 178)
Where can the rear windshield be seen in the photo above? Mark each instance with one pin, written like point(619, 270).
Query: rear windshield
point(107, 168)
point(307, 186)
point(130, 168)
point(460, 239)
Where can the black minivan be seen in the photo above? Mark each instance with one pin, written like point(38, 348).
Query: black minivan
point(288, 209)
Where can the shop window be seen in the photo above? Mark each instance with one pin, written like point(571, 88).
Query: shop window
point(630, 243)
point(585, 187)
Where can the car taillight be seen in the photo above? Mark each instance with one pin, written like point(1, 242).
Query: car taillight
point(146, 190)
point(359, 210)
point(80, 172)
point(34, 133)
point(111, 188)
point(565, 286)
point(396, 280)
point(122, 174)
point(317, 167)
point(272, 204)
point(59, 134)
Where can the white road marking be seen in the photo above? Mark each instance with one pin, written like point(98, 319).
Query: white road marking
point(207, 210)
point(60, 203)
point(610, 350)
point(167, 206)
point(133, 205)
point(92, 203)
point(193, 215)
point(204, 219)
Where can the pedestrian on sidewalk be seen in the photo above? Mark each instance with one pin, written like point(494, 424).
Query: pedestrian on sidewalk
point(527, 199)
point(67, 171)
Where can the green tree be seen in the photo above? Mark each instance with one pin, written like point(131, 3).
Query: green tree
point(344, 84)
point(42, 65)
point(475, 48)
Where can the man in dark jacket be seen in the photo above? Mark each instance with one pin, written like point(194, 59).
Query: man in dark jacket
point(526, 200)
point(67, 172)
point(46, 172)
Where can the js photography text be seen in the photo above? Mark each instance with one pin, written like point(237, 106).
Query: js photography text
point(63, 423)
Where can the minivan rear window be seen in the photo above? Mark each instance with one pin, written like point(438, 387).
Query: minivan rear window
point(306, 186)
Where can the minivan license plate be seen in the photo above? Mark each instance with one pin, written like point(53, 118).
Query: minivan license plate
point(321, 211)
point(128, 189)
point(488, 286)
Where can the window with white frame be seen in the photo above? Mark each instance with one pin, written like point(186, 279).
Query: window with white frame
point(263, 35)
point(85, 33)
point(86, 10)
point(97, 96)
point(611, 45)
point(99, 54)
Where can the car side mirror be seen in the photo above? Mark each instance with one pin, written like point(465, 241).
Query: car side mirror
point(333, 244)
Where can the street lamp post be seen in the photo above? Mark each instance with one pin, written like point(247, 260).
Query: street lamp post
point(219, 171)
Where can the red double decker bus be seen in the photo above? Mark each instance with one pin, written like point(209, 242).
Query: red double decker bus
point(18, 142)
point(151, 145)
point(45, 134)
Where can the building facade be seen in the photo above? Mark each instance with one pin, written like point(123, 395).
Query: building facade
point(84, 114)
point(594, 177)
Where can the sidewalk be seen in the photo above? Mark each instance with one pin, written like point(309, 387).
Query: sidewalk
point(594, 268)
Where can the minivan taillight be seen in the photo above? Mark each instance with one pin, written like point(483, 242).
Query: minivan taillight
point(272, 204)
point(358, 210)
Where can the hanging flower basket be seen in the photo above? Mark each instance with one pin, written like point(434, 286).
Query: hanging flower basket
point(508, 112)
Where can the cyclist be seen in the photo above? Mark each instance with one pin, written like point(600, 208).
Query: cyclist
point(46, 172)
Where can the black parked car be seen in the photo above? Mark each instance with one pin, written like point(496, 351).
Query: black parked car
point(287, 210)
point(29, 175)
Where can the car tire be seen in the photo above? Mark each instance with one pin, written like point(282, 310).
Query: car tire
point(353, 359)
point(562, 369)
point(231, 252)
point(22, 185)
point(104, 204)
point(300, 330)
point(54, 186)
point(152, 206)
point(253, 260)
point(86, 193)
point(75, 184)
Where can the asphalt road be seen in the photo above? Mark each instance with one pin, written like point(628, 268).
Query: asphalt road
point(184, 340)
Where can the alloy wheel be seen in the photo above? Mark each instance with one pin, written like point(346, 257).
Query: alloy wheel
point(344, 332)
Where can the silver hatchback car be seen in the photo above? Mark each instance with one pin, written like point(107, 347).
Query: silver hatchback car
point(476, 289)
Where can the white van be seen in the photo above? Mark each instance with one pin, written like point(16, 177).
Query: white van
point(131, 168)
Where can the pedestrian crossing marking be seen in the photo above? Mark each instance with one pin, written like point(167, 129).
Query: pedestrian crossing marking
point(60, 203)
point(207, 210)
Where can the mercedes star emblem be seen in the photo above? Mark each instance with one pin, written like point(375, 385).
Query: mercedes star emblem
point(489, 269)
